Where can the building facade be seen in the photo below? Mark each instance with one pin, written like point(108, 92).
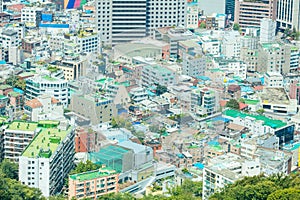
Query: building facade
point(49, 158)
point(288, 13)
point(249, 13)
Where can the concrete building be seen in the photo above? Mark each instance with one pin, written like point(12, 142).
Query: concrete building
point(203, 102)
point(231, 66)
point(124, 21)
point(267, 30)
point(9, 38)
point(250, 58)
point(44, 107)
point(93, 184)
point(72, 69)
point(229, 9)
point(231, 44)
point(31, 16)
point(138, 94)
point(41, 84)
point(17, 135)
point(49, 158)
point(288, 14)
point(97, 108)
point(192, 15)
point(172, 36)
point(249, 13)
point(118, 93)
point(273, 80)
point(152, 75)
point(260, 125)
point(193, 65)
point(210, 45)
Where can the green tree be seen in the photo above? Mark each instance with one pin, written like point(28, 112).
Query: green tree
point(202, 25)
point(9, 169)
point(84, 167)
point(260, 111)
point(20, 84)
point(285, 194)
point(232, 103)
point(160, 89)
point(11, 80)
point(236, 27)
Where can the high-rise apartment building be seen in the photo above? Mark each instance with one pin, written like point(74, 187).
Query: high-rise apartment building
point(48, 159)
point(121, 21)
point(248, 13)
point(288, 14)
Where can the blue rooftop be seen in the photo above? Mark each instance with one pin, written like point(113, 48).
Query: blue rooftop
point(199, 165)
point(220, 118)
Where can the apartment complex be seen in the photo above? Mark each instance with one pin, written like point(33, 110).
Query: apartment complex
point(48, 159)
point(248, 13)
point(93, 184)
point(41, 84)
point(17, 135)
point(124, 21)
point(32, 16)
point(203, 102)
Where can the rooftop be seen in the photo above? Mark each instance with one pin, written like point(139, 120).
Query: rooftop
point(46, 141)
point(22, 126)
point(93, 174)
point(267, 121)
point(159, 69)
point(275, 96)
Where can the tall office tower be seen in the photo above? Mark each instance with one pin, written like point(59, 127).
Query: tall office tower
point(288, 14)
point(248, 13)
point(267, 30)
point(162, 13)
point(120, 21)
point(229, 8)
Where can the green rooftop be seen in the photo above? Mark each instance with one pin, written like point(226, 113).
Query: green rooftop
point(3, 97)
point(267, 121)
point(251, 101)
point(22, 126)
point(49, 78)
point(45, 142)
point(93, 174)
point(14, 94)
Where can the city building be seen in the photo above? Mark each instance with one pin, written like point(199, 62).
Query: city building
point(248, 13)
point(192, 15)
point(47, 160)
point(124, 21)
point(31, 16)
point(267, 30)
point(93, 184)
point(260, 125)
point(203, 102)
point(234, 67)
point(73, 69)
point(17, 135)
point(97, 108)
point(138, 94)
point(231, 44)
point(154, 74)
point(273, 80)
point(288, 14)
point(229, 9)
point(45, 84)
point(193, 65)
point(44, 107)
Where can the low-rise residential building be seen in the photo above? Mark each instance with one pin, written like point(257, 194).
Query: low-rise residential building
point(44, 107)
point(203, 101)
point(93, 184)
point(260, 125)
point(193, 65)
point(154, 74)
point(138, 94)
point(273, 80)
point(31, 16)
point(48, 159)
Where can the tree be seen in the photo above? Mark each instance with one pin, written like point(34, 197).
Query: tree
point(11, 80)
point(9, 169)
point(232, 103)
point(202, 25)
point(84, 167)
point(236, 27)
point(260, 111)
point(21, 84)
point(160, 89)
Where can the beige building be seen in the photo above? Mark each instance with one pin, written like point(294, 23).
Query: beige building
point(72, 69)
point(93, 184)
point(97, 108)
point(248, 13)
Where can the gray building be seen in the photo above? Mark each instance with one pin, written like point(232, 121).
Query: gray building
point(193, 65)
point(152, 75)
point(97, 108)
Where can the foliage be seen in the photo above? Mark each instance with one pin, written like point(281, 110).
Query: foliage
point(24, 117)
point(52, 68)
point(236, 27)
point(14, 81)
point(278, 186)
point(160, 89)
point(241, 100)
point(84, 167)
point(232, 103)
point(260, 111)
point(9, 169)
point(202, 25)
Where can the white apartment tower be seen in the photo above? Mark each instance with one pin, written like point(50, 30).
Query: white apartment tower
point(288, 14)
point(267, 30)
point(120, 21)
